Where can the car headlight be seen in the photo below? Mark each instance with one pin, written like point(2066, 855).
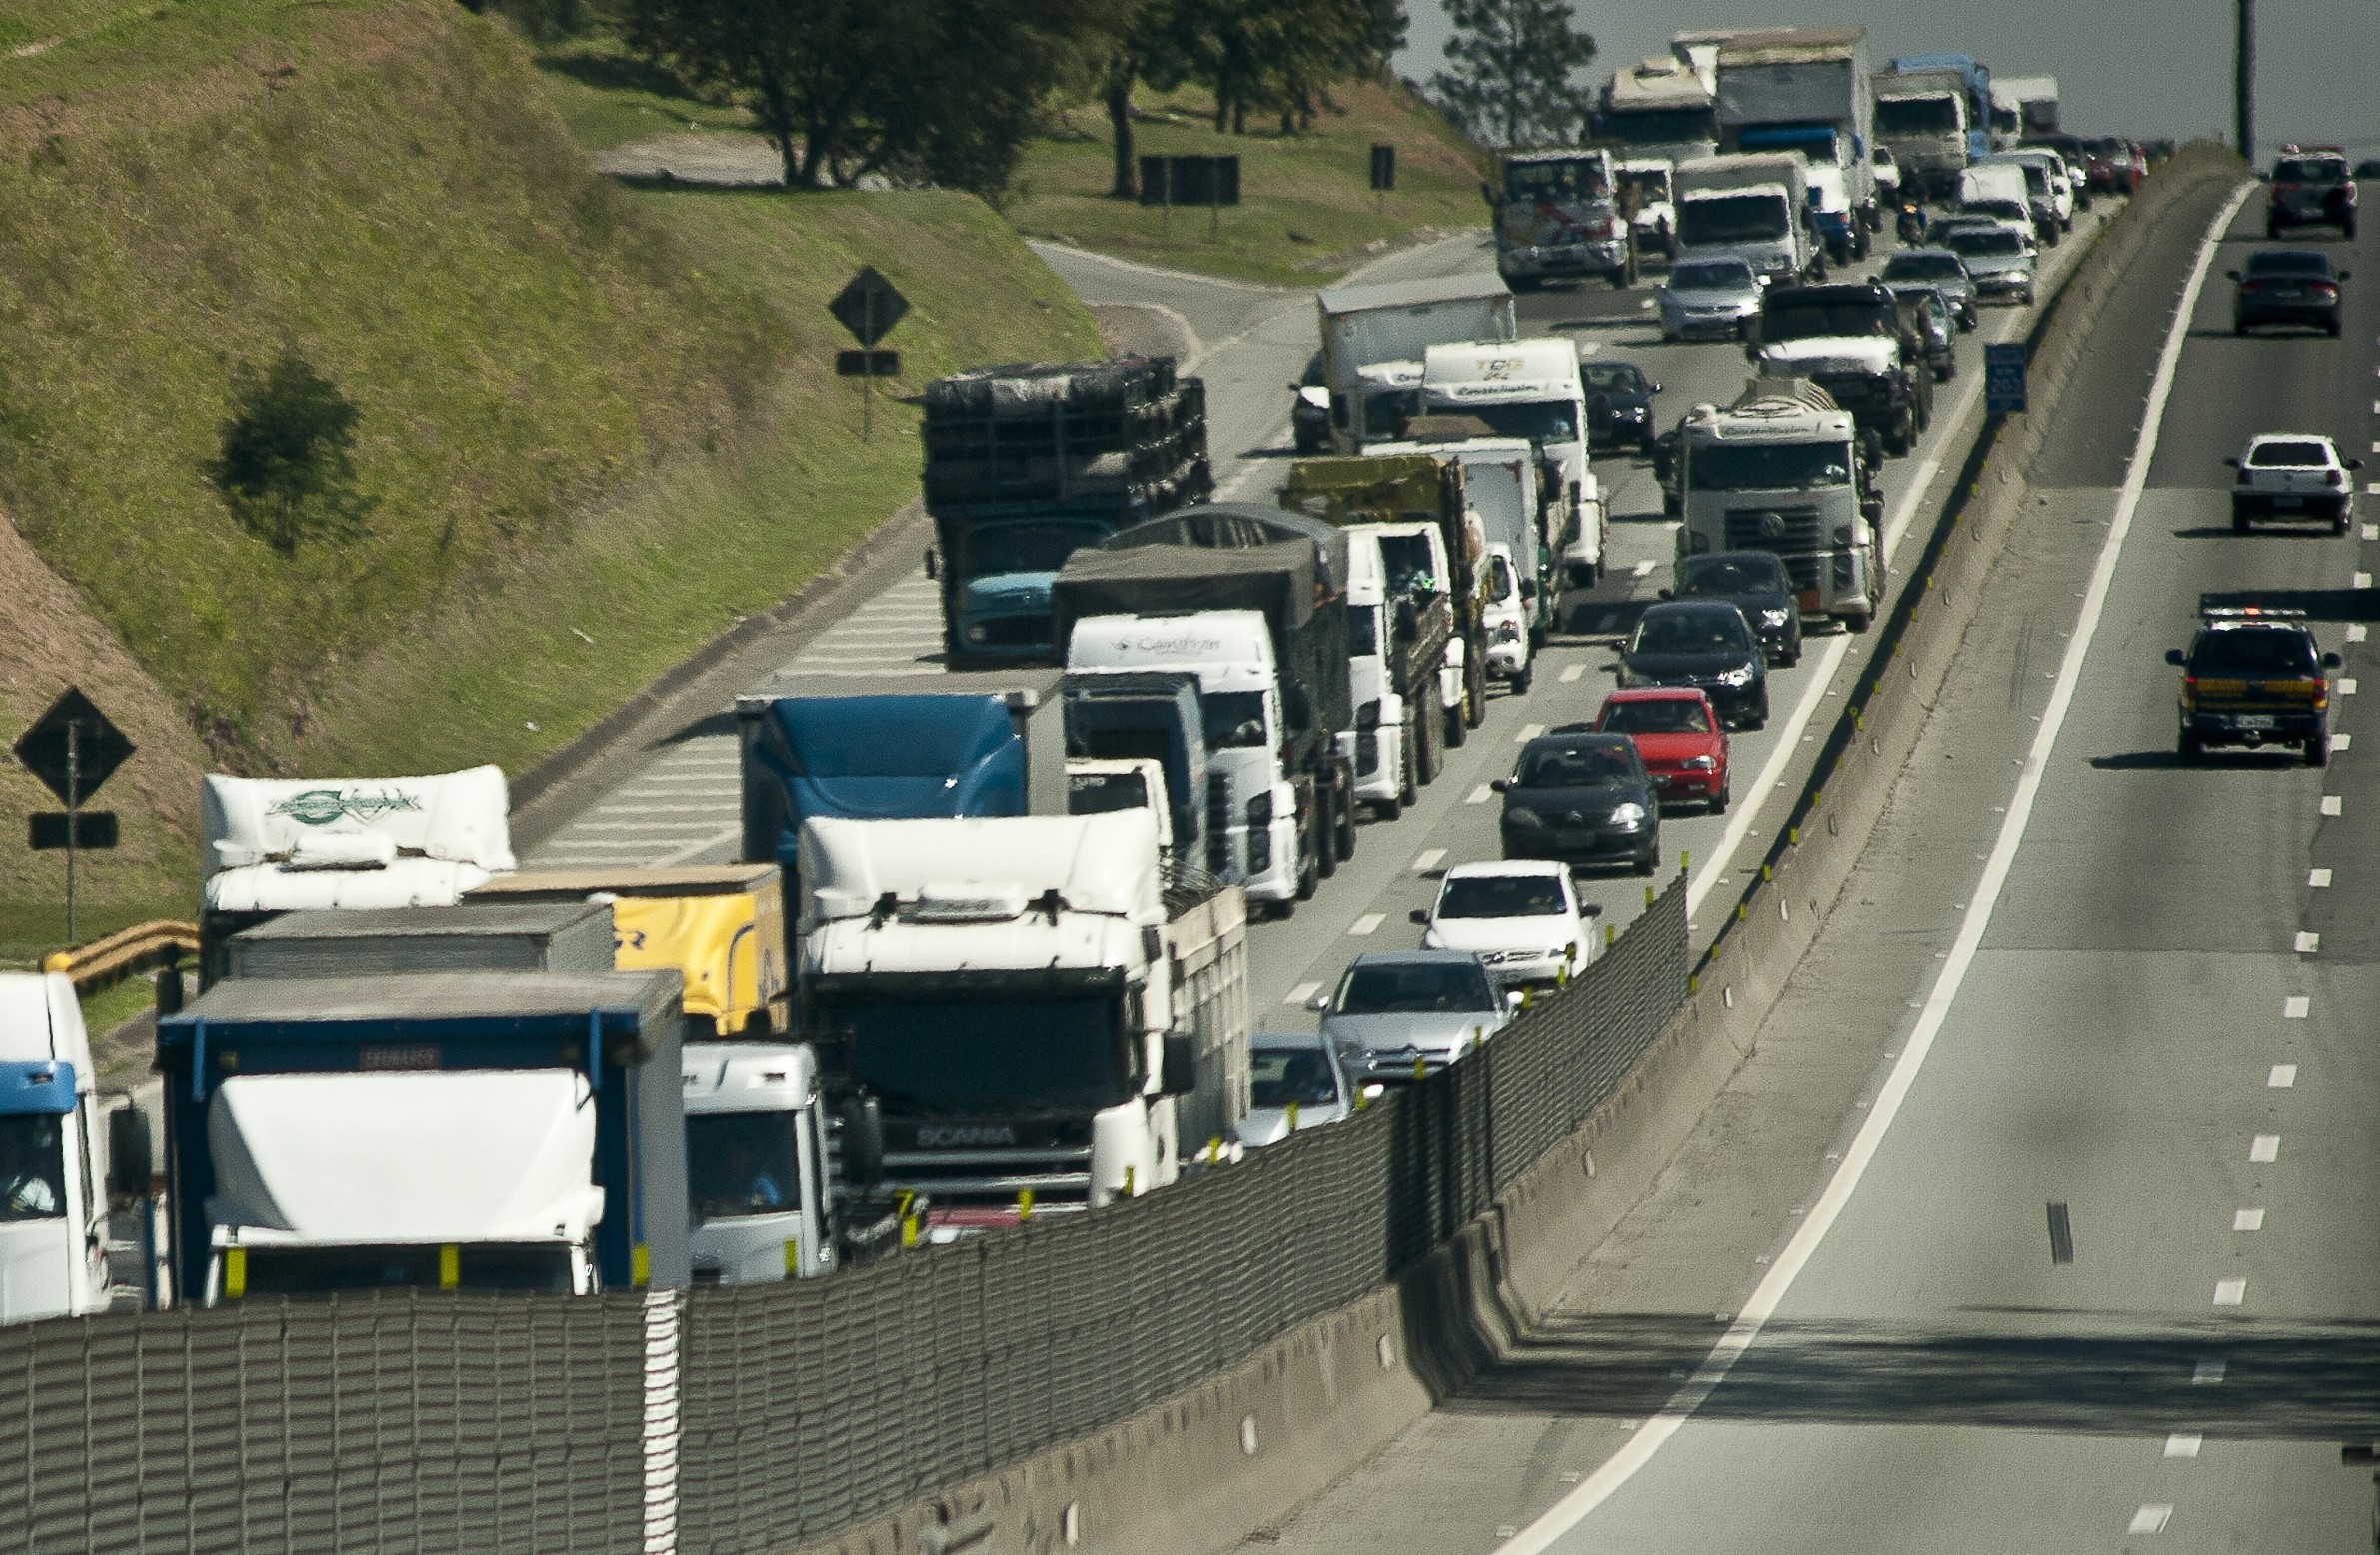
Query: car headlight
point(1741, 674)
point(1631, 413)
point(1627, 818)
point(1524, 819)
point(1775, 618)
point(1699, 764)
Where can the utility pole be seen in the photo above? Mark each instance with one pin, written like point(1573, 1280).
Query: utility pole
point(2243, 86)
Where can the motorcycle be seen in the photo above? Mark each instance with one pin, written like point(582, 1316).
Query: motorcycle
point(1911, 225)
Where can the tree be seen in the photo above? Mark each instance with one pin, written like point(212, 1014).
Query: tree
point(285, 468)
point(1510, 69)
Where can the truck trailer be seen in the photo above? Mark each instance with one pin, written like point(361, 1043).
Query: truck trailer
point(1804, 90)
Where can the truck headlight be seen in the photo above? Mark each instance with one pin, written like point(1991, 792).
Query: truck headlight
point(1627, 818)
point(1842, 533)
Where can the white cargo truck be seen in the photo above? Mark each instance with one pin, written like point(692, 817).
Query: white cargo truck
point(1373, 338)
point(1754, 208)
point(1664, 108)
point(1381, 748)
point(1531, 389)
point(757, 1163)
point(1922, 118)
point(1035, 1019)
point(1803, 90)
point(2022, 106)
point(54, 1162)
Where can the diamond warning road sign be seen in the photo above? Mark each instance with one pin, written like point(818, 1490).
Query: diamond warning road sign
point(868, 306)
point(73, 749)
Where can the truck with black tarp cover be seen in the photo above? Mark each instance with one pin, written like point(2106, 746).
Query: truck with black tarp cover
point(1261, 622)
point(1025, 462)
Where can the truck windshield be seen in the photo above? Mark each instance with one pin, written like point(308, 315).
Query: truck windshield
point(1562, 182)
point(1291, 1077)
point(1917, 116)
point(32, 1166)
point(1663, 126)
point(742, 1164)
point(1768, 467)
point(1103, 794)
point(1824, 321)
point(1233, 718)
point(1039, 546)
point(1743, 218)
point(987, 1058)
point(1540, 421)
point(327, 1271)
point(1408, 561)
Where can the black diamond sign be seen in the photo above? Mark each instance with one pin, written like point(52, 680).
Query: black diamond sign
point(99, 747)
point(868, 306)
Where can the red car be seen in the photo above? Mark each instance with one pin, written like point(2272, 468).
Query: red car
point(1680, 739)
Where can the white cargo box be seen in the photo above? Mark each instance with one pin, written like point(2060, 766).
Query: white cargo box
point(274, 844)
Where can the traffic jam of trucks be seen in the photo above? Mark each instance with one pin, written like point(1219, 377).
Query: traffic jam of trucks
point(983, 953)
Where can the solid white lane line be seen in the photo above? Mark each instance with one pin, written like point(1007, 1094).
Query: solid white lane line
point(2231, 1293)
point(2207, 1372)
point(2247, 1220)
point(2332, 803)
point(1301, 994)
point(1572, 673)
point(2183, 1444)
point(1429, 861)
point(2318, 880)
point(1479, 795)
point(2281, 1076)
point(2151, 1518)
point(2307, 944)
point(1528, 731)
point(2296, 1006)
point(2264, 1149)
point(1368, 925)
point(1616, 1471)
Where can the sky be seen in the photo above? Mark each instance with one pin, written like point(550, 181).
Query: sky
point(2147, 68)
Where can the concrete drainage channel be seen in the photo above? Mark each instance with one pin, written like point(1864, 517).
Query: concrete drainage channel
point(1244, 1448)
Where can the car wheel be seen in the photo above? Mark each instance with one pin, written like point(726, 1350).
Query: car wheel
point(2334, 328)
point(1760, 718)
point(2190, 749)
point(1721, 800)
point(1525, 679)
point(2338, 525)
point(1310, 878)
point(2347, 229)
point(2239, 327)
point(1858, 620)
point(1647, 862)
point(2318, 747)
point(1582, 575)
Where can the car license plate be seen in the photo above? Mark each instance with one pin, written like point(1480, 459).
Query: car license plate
point(1808, 602)
point(2254, 720)
point(2289, 502)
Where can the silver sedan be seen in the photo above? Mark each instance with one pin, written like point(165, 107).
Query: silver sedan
point(1715, 298)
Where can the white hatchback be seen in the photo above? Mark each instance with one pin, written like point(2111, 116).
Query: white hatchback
point(2293, 475)
point(1521, 917)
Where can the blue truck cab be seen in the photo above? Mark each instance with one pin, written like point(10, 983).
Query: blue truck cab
point(1000, 559)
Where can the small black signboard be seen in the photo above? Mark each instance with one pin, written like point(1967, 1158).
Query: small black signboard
point(868, 364)
point(50, 831)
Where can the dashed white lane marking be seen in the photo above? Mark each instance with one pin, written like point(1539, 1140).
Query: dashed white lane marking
point(2371, 488)
point(1644, 570)
point(2370, 531)
point(2318, 880)
point(2264, 1149)
point(2341, 741)
point(2247, 1220)
point(2357, 631)
point(2332, 805)
point(2281, 1076)
point(2183, 1444)
point(1479, 795)
point(2296, 1006)
point(2231, 1293)
point(658, 809)
point(734, 833)
point(2207, 1372)
point(2307, 944)
point(2151, 1518)
point(657, 829)
point(1528, 731)
point(2362, 581)
point(1301, 994)
point(1429, 861)
point(1368, 925)
point(2346, 687)
point(1572, 673)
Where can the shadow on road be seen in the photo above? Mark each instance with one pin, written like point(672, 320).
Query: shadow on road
point(2314, 604)
point(2219, 757)
point(2238, 1378)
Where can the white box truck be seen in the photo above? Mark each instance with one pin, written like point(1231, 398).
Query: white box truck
point(1373, 338)
point(1804, 90)
point(1754, 208)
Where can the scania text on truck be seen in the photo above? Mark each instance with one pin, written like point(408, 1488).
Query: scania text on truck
point(1373, 338)
point(1532, 389)
point(1755, 209)
point(1803, 90)
point(1557, 216)
point(1783, 470)
point(1859, 342)
point(1025, 462)
point(56, 1168)
point(1010, 992)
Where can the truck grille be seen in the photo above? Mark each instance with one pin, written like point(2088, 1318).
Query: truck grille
point(1782, 530)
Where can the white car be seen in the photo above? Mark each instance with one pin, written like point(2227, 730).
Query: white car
point(2293, 475)
point(1511, 647)
point(1521, 917)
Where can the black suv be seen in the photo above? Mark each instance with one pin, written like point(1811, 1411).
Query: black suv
point(2252, 678)
point(2287, 286)
point(2311, 189)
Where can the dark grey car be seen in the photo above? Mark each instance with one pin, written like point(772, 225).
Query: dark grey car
point(2287, 286)
point(1942, 327)
point(1940, 268)
point(1582, 797)
point(1706, 643)
point(1756, 583)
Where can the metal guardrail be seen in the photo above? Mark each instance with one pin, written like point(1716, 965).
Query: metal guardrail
point(120, 955)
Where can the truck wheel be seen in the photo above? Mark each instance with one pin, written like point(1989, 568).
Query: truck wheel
point(1326, 848)
point(1474, 693)
point(1858, 620)
point(1427, 731)
point(1457, 730)
point(1897, 440)
point(1526, 678)
point(1346, 819)
point(1310, 874)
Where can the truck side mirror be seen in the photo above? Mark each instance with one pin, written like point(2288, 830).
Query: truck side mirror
point(2174, 655)
point(130, 1163)
point(1297, 705)
point(862, 1143)
point(1178, 1074)
point(1420, 916)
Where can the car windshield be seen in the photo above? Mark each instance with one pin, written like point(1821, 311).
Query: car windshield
point(742, 1164)
point(1732, 574)
point(1562, 182)
point(1711, 274)
point(1501, 586)
point(1502, 895)
point(1613, 375)
point(1025, 547)
point(1575, 767)
point(1743, 218)
point(1291, 1078)
point(1387, 409)
point(1917, 116)
point(1824, 320)
point(1540, 421)
point(1986, 241)
point(1656, 716)
point(1413, 988)
point(1233, 718)
point(1924, 267)
point(983, 1057)
point(2254, 651)
point(2276, 454)
point(32, 1166)
point(1651, 185)
point(2309, 170)
point(2289, 262)
point(1768, 467)
point(1704, 630)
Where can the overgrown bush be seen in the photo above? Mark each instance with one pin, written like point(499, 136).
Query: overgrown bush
point(286, 470)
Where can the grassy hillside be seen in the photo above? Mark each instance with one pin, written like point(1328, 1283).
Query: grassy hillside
point(583, 407)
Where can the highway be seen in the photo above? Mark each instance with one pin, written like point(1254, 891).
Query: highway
point(675, 802)
point(2072, 973)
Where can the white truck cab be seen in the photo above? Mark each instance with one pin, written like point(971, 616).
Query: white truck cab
point(1512, 645)
point(1781, 471)
point(1413, 562)
point(1529, 389)
point(1651, 185)
point(756, 1163)
point(1230, 652)
point(53, 1204)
